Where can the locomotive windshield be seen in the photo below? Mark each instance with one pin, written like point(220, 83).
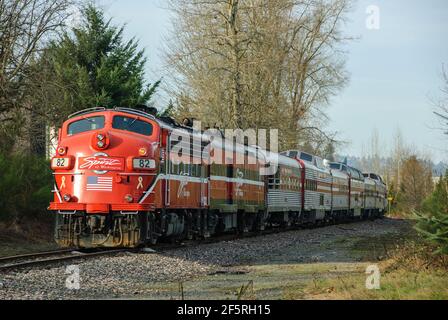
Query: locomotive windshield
point(87, 124)
point(132, 125)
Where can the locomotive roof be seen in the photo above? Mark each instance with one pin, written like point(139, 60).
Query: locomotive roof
point(354, 173)
point(368, 180)
point(339, 174)
point(312, 163)
point(282, 160)
point(171, 125)
point(380, 179)
point(228, 145)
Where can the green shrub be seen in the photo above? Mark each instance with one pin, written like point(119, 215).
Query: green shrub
point(25, 186)
point(432, 221)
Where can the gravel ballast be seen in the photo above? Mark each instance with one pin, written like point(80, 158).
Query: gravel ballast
point(134, 274)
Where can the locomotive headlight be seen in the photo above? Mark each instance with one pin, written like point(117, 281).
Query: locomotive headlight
point(62, 151)
point(67, 197)
point(128, 198)
point(100, 140)
point(143, 151)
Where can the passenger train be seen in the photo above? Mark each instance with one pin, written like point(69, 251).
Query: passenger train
point(119, 181)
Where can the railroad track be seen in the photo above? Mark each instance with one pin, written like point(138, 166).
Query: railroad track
point(50, 257)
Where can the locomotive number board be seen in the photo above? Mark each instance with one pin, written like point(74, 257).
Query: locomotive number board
point(144, 164)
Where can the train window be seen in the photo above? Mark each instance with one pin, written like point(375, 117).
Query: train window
point(293, 154)
point(359, 175)
point(87, 124)
point(132, 125)
point(353, 173)
point(187, 169)
point(306, 157)
point(175, 168)
point(229, 171)
point(335, 166)
point(274, 180)
point(319, 163)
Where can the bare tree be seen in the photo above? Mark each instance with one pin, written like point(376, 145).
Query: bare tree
point(315, 68)
point(24, 27)
point(371, 158)
point(258, 63)
point(442, 105)
point(416, 182)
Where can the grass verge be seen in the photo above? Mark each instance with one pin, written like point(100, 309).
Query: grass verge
point(409, 272)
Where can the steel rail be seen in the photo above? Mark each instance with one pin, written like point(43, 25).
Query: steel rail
point(32, 255)
point(29, 263)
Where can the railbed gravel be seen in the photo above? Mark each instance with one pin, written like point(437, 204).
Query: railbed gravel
point(134, 274)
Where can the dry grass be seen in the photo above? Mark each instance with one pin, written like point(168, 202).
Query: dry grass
point(410, 271)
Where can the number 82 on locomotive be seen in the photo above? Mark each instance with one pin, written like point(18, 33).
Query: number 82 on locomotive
point(143, 164)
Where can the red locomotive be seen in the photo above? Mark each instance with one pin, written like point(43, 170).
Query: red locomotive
point(121, 182)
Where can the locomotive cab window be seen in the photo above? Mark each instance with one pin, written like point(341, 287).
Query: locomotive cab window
point(85, 125)
point(132, 125)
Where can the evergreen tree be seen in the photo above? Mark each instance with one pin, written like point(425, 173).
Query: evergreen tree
point(169, 111)
point(93, 66)
point(432, 221)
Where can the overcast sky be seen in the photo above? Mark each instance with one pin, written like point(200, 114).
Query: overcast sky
point(395, 70)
